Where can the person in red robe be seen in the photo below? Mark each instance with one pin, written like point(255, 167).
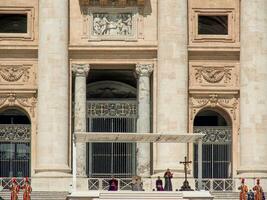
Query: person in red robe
point(27, 189)
point(243, 190)
point(14, 189)
point(258, 191)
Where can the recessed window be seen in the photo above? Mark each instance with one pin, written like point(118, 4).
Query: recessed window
point(213, 25)
point(13, 23)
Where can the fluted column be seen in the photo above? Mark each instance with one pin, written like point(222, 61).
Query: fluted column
point(80, 72)
point(253, 91)
point(143, 123)
point(53, 91)
point(172, 83)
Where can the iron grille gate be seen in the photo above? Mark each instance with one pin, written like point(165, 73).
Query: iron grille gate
point(105, 159)
point(15, 150)
point(216, 153)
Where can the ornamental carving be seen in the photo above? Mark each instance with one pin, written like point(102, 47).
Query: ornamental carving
point(28, 102)
point(144, 69)
point(227, 102)
point(112, 2)
point(107, 24)
point(13, 73)
point(219, 135)
point(213, 74)
point(80, 69)
point(15, 132)
point(112, 24)
point(210, 76)
point(105, 109)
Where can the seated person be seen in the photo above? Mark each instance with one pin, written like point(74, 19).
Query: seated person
point(137, 184)
point(159, 184)
point(113, 184)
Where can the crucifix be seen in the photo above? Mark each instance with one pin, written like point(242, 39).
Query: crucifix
point(185, 186)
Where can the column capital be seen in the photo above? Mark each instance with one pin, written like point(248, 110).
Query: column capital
point(144, 69)
point(80, 69)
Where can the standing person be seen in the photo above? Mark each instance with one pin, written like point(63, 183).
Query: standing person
point(113, 184)
point(27, 189)
point(14, 189)
point(243, 190)
point(168, 183)
point(159, 184)
point(258, 190)
point(250, 195)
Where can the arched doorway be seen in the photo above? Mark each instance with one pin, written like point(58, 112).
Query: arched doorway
point(15, 143)
point(217, 144)
point(111, 107)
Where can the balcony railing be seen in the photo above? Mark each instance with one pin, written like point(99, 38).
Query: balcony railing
point(15, 132)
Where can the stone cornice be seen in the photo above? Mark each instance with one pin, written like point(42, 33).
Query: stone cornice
point(80, 69)
point(144, 69)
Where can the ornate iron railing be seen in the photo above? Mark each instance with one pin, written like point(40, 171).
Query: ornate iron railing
point(215, 134)
point(112, 109)
point(15, 132)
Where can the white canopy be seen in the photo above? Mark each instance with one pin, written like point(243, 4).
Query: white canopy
point(83, 137)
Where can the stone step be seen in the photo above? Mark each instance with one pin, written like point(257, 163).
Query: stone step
point(38, 195)
point(225, 195)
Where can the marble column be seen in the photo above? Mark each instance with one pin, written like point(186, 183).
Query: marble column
point(52, 157)
point(80, 72)
point(143, 122)
point(253, 91)
point(172, 103)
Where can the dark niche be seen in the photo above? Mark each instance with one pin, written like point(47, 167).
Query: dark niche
point(13, 23)
point(213, 25)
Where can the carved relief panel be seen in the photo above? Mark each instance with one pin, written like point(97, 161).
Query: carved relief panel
point(229, 103)
point(17, 75)
point(215, 76)
point(111, 23)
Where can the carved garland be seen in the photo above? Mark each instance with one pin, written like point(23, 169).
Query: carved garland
point(213, 74)
point(199, 102)
point(12, 99)
point(13, 73)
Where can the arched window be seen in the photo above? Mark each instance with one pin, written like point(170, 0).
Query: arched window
point(111, 107)
point(15, 145)
point(217, 144)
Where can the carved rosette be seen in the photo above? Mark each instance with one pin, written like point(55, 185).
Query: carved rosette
point(229, 103)
point(80, 69)
point(144, 69)
point(27, 102)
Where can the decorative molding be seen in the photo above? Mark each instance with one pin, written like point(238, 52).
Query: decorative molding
point(111, 109)
point(120, 3)
point(25, 101)
point(14, 73)
point(80, 69)
point(227, 102)
point(213, 74)
point(106, 24)
point(144, 69)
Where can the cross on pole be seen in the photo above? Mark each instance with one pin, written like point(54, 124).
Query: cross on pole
point(185, 186)
point(185, 163)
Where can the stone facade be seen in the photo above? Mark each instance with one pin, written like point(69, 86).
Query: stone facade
point(178, 72)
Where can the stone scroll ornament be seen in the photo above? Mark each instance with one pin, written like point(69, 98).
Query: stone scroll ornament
point(112, 24)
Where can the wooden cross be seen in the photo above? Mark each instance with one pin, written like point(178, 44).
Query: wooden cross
point(185, 163)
